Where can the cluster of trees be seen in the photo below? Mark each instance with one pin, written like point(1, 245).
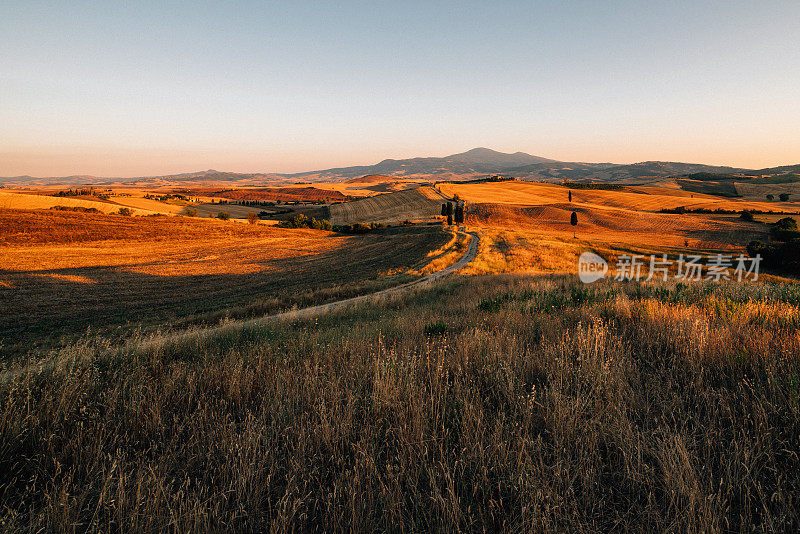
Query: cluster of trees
point(453, 212)
point(591, 185)
point(783, 253)
point(718, 211)
point(80, 209)
point(90, 191)
point(358, 228)
point(302, 221)
point(784, 197)
point(169, 196)
point(495, 178)
point(255, 203)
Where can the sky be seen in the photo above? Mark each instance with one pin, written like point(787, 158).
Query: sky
point(141, 88)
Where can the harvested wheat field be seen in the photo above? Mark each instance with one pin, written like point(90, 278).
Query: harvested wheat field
point(25, 201)
point(64, 271)
point(613, 225)
point(638, 198)
point(420, 203)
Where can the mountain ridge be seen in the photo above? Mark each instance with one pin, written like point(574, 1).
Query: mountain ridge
point(474, 162)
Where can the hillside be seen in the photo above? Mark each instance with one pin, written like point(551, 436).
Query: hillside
point(371, 179)
point(524, 194)
point(607, 172)
point(420, 203)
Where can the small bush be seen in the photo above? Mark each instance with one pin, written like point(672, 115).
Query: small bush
point(301, 221)
point(191, 212)
point(787, 223)
point(489, 305)
point(770, 197)
point(784, 257)
point(80, 209)
point(784, 197)
point(252, 218)
point(125, 212)
point(435, 329)
point(223, 216)
point(747, 216)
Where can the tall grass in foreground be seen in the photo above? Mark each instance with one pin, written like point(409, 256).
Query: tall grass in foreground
point(513, 403)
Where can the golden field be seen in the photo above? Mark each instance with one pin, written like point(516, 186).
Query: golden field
point(636, 198)
point(64, 271)
point(485, 401)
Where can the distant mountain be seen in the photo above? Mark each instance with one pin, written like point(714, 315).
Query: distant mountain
point(477, 160)
point(609, 172)
point(208, 176)
point(785, 169)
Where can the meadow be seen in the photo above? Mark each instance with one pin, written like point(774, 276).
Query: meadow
point(490, 402)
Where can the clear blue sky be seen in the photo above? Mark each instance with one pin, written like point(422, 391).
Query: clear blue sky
point(149, 87)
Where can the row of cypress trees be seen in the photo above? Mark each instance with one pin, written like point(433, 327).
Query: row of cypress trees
point(454, 213)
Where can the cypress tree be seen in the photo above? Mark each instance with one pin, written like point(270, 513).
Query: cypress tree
point(573, 220)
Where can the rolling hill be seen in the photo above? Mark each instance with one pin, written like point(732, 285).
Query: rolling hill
point(420, 203)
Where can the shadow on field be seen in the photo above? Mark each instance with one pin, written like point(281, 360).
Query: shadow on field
point(37, 307)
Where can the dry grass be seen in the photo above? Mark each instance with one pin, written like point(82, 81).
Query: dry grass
point(537, 405)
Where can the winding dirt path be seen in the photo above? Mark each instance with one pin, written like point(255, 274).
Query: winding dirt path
point(302, 313)
point(312, 311)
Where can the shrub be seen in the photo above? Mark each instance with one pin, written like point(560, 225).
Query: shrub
point(126, 212)
point(770, 197)
point(322, 224)
point(223, 215)
point(783, 257)
point(787, 223)
point(490, 305)
point(80, 209)
point(252, 218)
point(437, 328)
point(785, 230)
point(191, 212)
point(301, 221)
point(747, 216)
point(784, 197)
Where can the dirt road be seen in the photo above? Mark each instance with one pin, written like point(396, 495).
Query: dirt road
point(302, 313)
point(312, 311)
